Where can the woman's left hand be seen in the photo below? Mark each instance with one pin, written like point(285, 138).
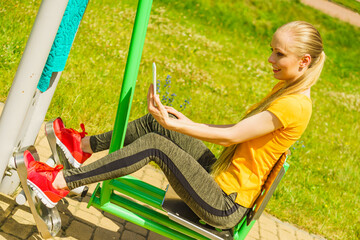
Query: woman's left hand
point(158, 111)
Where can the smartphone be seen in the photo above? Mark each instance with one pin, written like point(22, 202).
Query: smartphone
point(154, 78)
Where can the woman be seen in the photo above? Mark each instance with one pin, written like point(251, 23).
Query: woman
point(220, 190)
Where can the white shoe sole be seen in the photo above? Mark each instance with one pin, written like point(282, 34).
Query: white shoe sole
point(40, 194)
point(67, 154)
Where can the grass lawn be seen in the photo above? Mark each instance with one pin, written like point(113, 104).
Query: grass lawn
point(351, 4)
point(216, 54)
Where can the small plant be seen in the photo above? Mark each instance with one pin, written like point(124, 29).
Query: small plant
point(298, 144)
point(167, 97)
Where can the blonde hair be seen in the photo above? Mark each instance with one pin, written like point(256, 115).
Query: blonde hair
point(305, 40)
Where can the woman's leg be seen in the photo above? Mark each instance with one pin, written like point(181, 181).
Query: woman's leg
point(187, 177)
point(147, 124)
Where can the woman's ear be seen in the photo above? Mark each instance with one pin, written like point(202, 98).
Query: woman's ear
point(305, 61)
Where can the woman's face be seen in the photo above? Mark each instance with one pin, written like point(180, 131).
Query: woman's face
point(286, 65)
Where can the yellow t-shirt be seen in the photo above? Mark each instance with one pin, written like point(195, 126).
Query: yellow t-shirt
point(254, 159)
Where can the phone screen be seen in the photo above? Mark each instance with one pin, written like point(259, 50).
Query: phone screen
point(154, 78)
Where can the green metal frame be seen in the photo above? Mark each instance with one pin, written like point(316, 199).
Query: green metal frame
point(153, 217)
point(129, 82)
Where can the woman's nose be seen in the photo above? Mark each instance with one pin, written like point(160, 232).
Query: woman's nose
point(271, 58)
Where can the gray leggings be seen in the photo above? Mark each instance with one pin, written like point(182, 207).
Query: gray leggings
point(185, 161)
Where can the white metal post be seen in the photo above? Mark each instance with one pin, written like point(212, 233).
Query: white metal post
point(27, 77)
point(37, 112)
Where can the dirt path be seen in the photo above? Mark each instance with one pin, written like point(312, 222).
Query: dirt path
point(335, 10)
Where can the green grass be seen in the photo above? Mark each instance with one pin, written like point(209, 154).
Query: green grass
point(351, 4)
point(216, 53)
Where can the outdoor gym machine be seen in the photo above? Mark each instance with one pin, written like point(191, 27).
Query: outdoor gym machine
point(177, 220)
point(34, 84)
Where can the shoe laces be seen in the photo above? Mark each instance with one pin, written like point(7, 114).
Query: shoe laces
point(43, 167)
point(82, 134)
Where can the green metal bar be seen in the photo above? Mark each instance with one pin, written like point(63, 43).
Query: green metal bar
point(146, 218)
point(141, 215)
point(142, 186)
point(131, 73)
point(136, 194)
point(136, 219)
point(242, 230)
point(161, 219)
point(286, 166)
point(129, 82)
point(95, 194)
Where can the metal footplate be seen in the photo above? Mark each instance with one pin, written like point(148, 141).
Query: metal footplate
point(59, 158)
point(47, 220)
point(179, 212)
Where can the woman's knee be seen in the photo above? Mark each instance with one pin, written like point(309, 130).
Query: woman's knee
point(156, 140)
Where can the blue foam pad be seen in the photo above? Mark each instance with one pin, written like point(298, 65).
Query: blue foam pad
point(63, 41)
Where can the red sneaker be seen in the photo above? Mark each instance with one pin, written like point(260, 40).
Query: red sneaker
point(69, 141)
point(40, 177)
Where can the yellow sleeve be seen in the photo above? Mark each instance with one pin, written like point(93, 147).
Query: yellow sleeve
point(287, 109)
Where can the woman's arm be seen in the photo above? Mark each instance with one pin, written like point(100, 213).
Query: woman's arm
point(181, 116)
point(225, 135)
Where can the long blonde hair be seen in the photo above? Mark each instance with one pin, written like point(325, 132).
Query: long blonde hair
point(305, 40)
